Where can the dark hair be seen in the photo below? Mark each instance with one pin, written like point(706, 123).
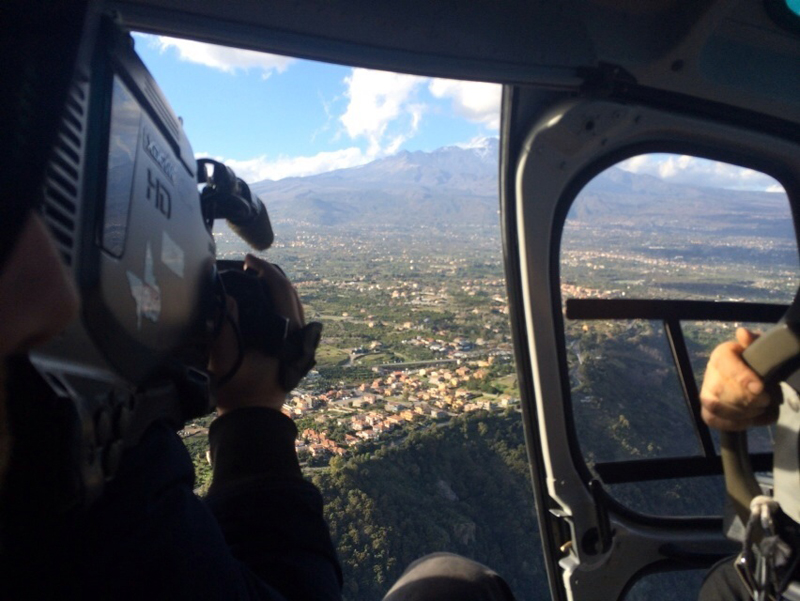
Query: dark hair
point(39, 39)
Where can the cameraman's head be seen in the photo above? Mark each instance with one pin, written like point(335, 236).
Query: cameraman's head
point(37, 299)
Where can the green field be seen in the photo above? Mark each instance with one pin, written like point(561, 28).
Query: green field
point(328, 356)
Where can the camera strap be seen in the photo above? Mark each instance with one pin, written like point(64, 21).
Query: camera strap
point(768, 564)
point(297, 356)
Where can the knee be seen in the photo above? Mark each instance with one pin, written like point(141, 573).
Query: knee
point(449, 576)
point(722, 583)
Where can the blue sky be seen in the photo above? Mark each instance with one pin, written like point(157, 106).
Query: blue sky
point(271, 117)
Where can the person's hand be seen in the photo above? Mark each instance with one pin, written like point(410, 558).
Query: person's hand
point(256, 382)
point(733, 397)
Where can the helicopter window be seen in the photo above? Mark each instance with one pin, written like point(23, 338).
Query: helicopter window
point(675, 497)
point(662, 585)
point(620, 372)
point(382, 191)
point(675, 227)
point(641, 239)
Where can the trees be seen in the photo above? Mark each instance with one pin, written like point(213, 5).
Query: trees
point(462, 487)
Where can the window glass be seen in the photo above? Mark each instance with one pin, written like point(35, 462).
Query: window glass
point(686, 497)
point(382, 191)
point(680, 227)
point(664, 227)
point(626, 396)
point(667, 586)
point(122, 141)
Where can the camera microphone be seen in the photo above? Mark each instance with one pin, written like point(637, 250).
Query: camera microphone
point(255, 229)
point(226, 196)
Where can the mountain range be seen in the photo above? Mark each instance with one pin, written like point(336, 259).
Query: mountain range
point(453, 184)
point(459, 186)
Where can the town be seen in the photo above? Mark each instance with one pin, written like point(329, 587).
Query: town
point(415, 319)
point(415, 332)
point(393, 400)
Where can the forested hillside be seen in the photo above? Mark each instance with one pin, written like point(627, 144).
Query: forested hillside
point(462, 487)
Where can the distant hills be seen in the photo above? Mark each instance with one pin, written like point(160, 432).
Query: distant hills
point(459, 185)
point(646, 204)
point(453, 184)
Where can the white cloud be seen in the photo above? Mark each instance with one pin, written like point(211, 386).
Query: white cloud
point(378, 100)
point(685, 169)
point(635, 164)
point(222, 58)
point(478, 102)
point(261, 168)
point(395, 144)
point(383, 108)
point(476, 142)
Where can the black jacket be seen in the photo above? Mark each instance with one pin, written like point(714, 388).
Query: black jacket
point(259, 534)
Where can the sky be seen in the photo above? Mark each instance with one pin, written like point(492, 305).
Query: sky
point(270, 117)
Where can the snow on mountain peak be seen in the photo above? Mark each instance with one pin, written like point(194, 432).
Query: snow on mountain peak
point(485, 147)
point(479, 142)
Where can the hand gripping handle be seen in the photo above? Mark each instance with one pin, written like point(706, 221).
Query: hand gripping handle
point(774, 356)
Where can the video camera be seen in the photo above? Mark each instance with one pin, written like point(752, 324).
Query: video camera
point(122, 200)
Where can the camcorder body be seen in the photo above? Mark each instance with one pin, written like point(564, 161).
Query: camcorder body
point(122, 200)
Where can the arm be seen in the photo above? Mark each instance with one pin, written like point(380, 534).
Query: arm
point(260, 536)
point(733, 397)
point(270, 516)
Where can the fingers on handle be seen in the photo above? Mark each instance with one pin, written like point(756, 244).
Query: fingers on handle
point(721, 423)
point(745, 337)
point(729, 370)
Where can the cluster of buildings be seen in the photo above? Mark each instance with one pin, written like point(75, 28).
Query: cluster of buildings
point(573, 291)
point(318, 444)
point(457, 345)
point(393, 399)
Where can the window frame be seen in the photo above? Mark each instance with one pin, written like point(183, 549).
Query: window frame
point(570, 143)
